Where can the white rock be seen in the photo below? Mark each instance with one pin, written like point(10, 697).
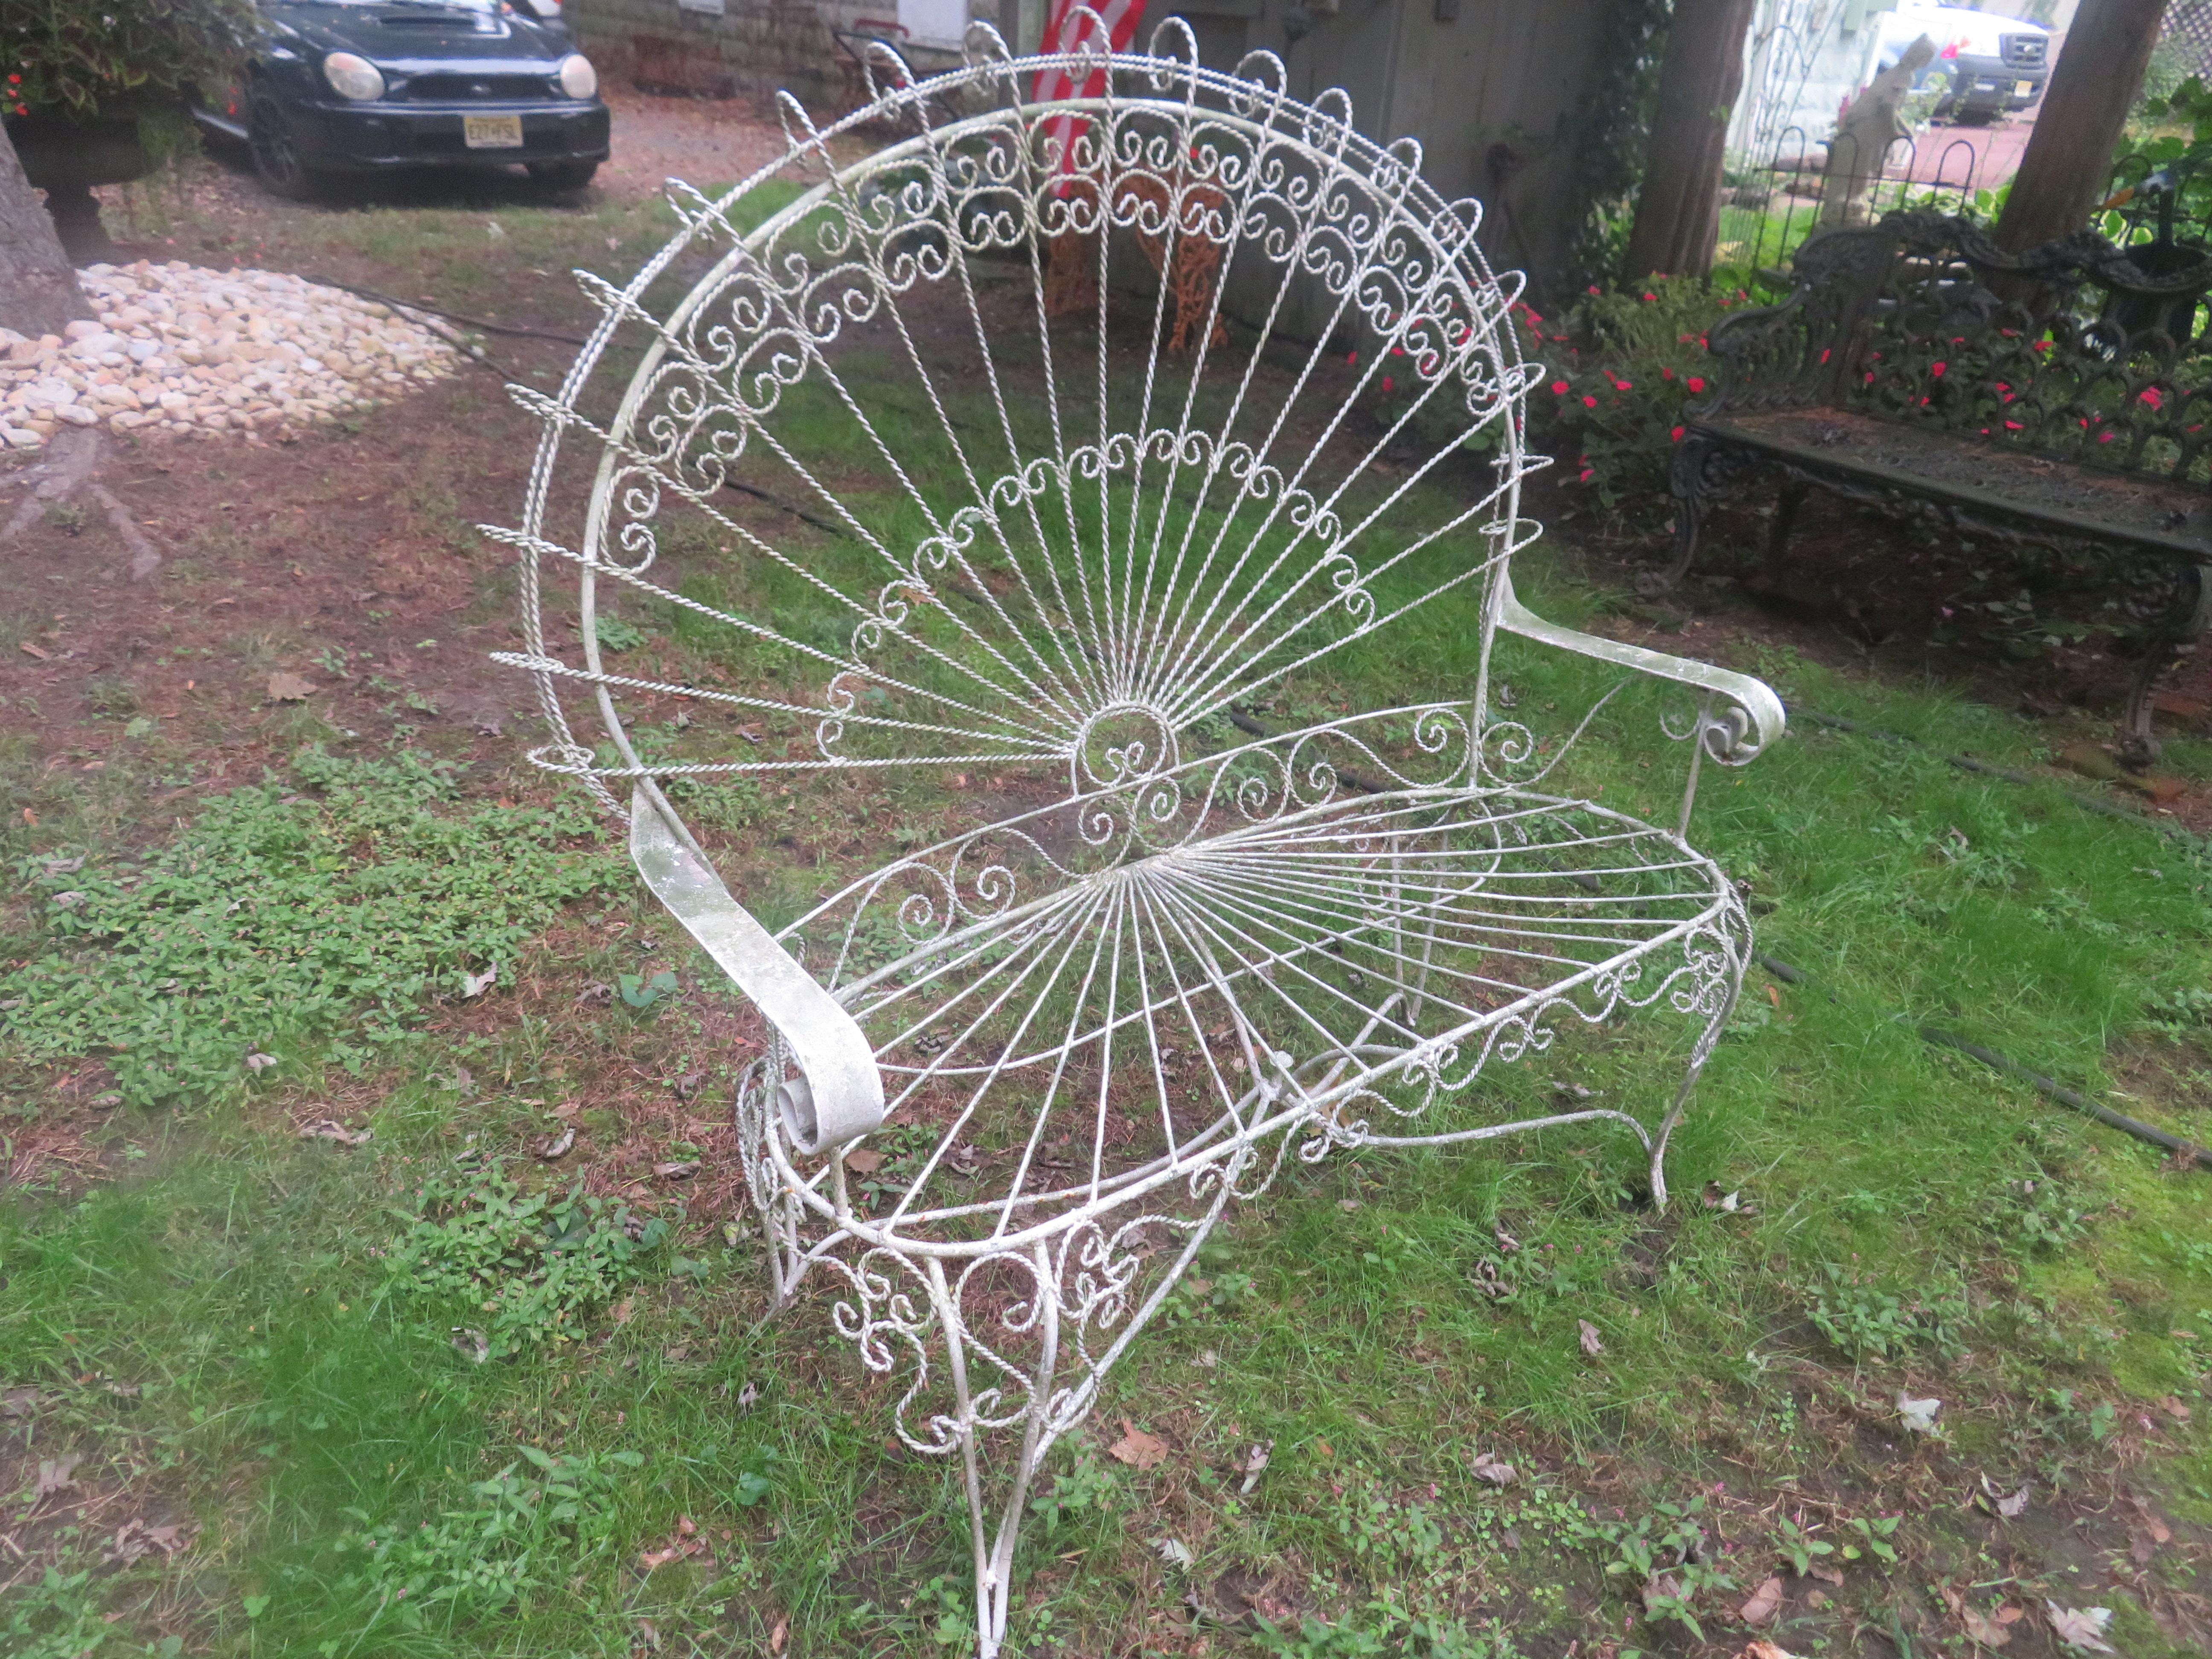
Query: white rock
point(18, 437)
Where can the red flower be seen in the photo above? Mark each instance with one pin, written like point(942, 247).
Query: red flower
point(1558, 388)
point(2012, 425)
point(1593, 288)
point(1676, 435)
point(1584, 476)
point(2105, 437)
point(1648, 298)
point(1695, 383)
point(1665, 374)
point(2042, 345)
point(1824, 353)
point(1386, 382)
point(1705, 343)
point(1870, 378)
point(2002, 386)
point(1532, 316)
point(2152, 396)
point(1589, 403)
point(1351, 357)
point(1936, 369)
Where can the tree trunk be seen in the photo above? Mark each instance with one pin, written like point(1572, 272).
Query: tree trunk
point(1678, 210)
point(38, 290)
point(2068, 160)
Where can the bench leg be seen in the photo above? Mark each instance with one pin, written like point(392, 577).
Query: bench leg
point(1085, 1285)
point(1785, 516)
point(1690, 482)
point(1698, 1055)
point(2174, 604)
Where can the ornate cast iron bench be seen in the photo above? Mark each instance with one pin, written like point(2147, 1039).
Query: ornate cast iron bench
point(1044, 562)
point(1915, 364)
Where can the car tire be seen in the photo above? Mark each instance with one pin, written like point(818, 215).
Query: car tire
point(561, 175)
point(276, 160)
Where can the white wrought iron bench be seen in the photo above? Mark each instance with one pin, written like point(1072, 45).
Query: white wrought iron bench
point(937, 526)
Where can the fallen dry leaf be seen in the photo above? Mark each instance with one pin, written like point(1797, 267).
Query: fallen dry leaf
point(289, 687)
point(1917, 1415)
point(776, 1636)
point(863, 1159)
point(30, 650)
point(1591, 1344)
point(1762, 1650)
point(472, 1344)
point(331, 1129)
point(2079, 1627)
point(1137, 1448)
point(20, 1402)
point(1487, 1468)
point(621, 1311)
point(682, 1169)
point(1255, 1464)
point(1989, 1632)
point(2174, 1409)
point(550, 1147)
point(260, 1062)
point(475, 985)
point(1765, 1602)
point(684, 1543)
point(1997, 1502)
point(1830, 1576)
point(56, 1475)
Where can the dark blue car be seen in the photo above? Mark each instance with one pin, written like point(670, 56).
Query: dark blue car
point(334, 86)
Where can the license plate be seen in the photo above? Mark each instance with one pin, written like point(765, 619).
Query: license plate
point(2022, 89)
point(492, 131)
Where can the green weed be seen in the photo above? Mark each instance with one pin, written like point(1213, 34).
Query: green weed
point(324, 907)
point(523, 1532)
point(538, 1265)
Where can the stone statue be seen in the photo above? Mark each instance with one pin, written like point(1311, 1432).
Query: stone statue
point(1870, 126)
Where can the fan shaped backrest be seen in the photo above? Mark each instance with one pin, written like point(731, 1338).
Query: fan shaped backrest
point(1035, 435)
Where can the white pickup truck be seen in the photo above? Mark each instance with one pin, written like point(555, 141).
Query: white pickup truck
point(1991, 64)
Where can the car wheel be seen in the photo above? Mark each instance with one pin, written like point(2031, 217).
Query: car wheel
point(563, 175)
point(276, 160)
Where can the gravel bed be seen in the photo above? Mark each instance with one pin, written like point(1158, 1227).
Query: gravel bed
point(183, 350)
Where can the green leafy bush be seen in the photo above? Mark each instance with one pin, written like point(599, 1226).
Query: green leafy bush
point(523, 1532)
point(71, 54)
point(276, 915)
point(538, 1264)
point(1610, 408)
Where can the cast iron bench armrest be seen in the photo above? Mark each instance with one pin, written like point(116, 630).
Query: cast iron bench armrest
point(1754, 715)
point(839, 1093)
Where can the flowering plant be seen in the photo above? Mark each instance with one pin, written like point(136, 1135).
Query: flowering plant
point(1618, 375)
point(69, 55)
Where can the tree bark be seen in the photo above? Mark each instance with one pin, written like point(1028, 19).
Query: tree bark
point(1678, 209)
point(2068, 159)
point(37, 289)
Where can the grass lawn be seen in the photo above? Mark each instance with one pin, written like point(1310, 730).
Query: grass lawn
point(290, 1365)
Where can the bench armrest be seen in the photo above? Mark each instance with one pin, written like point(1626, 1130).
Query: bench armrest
point(838, 1095)
point(1750, 716)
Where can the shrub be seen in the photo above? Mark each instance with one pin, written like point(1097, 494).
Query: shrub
point(71, 54)
point(1619, 373)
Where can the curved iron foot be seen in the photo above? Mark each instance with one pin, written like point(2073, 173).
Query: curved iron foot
point(2172, 603)
point(1689, 482)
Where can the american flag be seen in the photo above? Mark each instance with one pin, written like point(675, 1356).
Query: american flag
point(1064, 31)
